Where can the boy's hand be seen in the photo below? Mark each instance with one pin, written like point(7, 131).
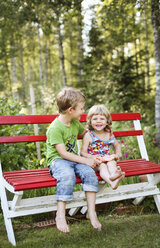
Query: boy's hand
point(98, 159)
point(91, 162)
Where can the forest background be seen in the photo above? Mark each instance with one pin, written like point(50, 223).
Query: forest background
point(110, 49)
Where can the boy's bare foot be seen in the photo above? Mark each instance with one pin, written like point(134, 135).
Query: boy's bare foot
point(115, 183)
point(94, 220)
point(62, 224)
point(115, 175)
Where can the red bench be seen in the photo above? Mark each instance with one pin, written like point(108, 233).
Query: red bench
point(18, 181)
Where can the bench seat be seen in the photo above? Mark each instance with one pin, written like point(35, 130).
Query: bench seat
point(40, 178)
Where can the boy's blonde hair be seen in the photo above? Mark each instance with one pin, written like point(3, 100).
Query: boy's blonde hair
point(69, 97)
point(99, 110)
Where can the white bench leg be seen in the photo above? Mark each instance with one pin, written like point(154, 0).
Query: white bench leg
point(10, 232)
point(8, 222)
point(73, 211)
point(84, 210)
point(157, 201)
point(5, 209)
point(138, 200)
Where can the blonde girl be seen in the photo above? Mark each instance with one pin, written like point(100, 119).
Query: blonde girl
point(97, 142)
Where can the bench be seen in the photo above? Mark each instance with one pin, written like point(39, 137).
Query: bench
point(17, 182)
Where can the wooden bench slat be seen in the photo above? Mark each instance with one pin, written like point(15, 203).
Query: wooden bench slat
point(35, 138)
point(31, 179)
point(37, 119)
point(26, 119)
point(128, 133)
point(125, 116)
point(19, 139)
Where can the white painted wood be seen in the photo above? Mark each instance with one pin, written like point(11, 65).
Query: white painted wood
point(16, 200)
point(10, 188)
point(141, 144)
point(157, 201)
point(5, 209)
point(73, 211)
point(84, 210)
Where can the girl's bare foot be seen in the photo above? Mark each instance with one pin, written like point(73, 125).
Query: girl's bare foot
point(62, 224)
point(94, 220)
point(115, 183)
point(115, 175)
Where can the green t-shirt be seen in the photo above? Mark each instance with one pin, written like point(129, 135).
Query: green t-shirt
point(59, 133)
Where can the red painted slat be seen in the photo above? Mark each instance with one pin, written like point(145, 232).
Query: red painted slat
point(36, 119)
point(34, 138)
point(125, 116)
point(40, 178)
point(128, 133)
point(18, 139)
point(26, 119)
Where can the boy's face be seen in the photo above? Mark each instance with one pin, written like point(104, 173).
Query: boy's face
point(78, 111)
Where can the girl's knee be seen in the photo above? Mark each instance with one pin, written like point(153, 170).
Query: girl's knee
point(112, 163)
point(102, 165)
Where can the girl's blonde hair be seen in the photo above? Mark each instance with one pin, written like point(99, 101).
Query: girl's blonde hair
point(99, 110)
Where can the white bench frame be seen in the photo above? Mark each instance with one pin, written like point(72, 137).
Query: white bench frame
point(22, 207)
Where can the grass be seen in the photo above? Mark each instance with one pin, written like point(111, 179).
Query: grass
point(118, 232)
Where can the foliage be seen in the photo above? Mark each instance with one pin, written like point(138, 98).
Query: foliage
point(17, 156)
point(114, 68)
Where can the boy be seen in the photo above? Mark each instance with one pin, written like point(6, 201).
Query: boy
point(63, 159)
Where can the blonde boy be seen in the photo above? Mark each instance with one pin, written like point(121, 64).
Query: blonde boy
point(63, 159)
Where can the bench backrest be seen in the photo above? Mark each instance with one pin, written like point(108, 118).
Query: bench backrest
point(40, 119)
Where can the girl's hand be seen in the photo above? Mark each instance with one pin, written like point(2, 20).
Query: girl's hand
point(118, 155)
point(108, 158)
point(98, 159)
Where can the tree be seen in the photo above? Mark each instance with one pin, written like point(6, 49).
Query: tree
point(156, 33)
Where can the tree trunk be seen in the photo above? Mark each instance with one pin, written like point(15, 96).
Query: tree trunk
point(23, 80)
point(156, 32)
point(40, 59)
point(61, 53)
point(45, 64)
point(146, 49)
point(35, 125)
point(13, 71)
point(80, 43)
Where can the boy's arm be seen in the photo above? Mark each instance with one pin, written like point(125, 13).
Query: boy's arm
point(73, 157)
point(83, 133)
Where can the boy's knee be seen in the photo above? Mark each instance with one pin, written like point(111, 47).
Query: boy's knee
point(90, 178)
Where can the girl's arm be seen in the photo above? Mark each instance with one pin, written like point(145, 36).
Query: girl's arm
point(84, 150)
point(117, 148)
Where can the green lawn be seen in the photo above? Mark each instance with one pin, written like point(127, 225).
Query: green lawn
point(118, 232)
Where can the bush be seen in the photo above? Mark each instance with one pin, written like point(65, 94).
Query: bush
point(21, 155)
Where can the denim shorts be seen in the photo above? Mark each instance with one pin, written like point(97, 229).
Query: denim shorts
point(65, 172)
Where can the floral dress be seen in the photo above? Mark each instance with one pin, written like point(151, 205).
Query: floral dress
point(98, 146)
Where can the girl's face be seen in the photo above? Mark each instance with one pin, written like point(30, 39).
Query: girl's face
point(98, 122)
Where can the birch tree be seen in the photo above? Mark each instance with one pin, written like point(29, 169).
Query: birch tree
point(156, 32)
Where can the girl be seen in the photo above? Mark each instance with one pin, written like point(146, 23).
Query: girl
point(96, 143)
